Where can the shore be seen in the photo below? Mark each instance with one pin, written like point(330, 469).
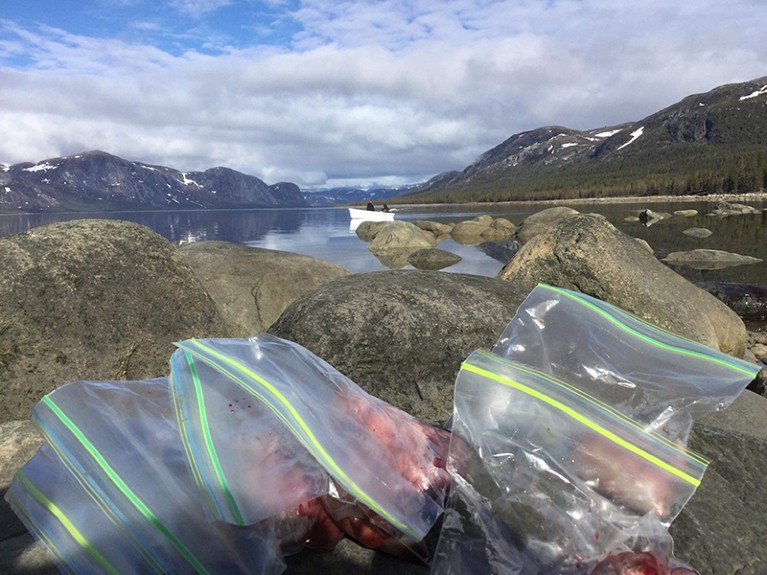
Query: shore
point(713, 198)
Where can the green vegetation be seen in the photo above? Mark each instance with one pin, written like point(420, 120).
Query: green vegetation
point(677, 169)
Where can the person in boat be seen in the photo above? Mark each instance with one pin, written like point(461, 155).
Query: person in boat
point(385, 208)
point(371, 207)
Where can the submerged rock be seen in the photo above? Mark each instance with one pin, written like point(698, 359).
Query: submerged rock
point(748, 301)
point(433, 259)
point(697, 232)
point(704, 259)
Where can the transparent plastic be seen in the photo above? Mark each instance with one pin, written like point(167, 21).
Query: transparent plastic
point(117, 498)
point(568, 452)
point(388, 469)
point(655, 377)
point(237, 448)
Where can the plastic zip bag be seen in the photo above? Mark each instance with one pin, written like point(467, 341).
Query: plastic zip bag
point(118, 497)
point(572, 458)
point(55, 508)
point(651, 375)
point(388, 469)
point(553, 479)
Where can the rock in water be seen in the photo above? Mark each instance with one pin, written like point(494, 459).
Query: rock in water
point(704, 259)
point(401, 236)
point(432, 259)
point(697, 232)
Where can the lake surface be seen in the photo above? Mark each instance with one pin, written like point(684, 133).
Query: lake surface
point(326, 233)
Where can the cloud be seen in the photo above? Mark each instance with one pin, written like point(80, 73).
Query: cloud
point(367, 90)
point(198, 8)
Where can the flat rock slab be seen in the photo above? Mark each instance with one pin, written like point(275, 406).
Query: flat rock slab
point(252, 286)
point(704, 259)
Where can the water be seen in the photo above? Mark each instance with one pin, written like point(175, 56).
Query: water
point(326, 233)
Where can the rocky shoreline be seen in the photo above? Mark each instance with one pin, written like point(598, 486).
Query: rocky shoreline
point(713, 198)
point(105, 300)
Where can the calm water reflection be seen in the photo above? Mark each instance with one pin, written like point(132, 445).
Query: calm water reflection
point(325, 233)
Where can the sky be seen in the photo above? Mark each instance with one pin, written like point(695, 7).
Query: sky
point(337, 92)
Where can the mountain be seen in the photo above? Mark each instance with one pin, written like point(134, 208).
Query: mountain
point(100, 181)
point(350, 195)
point(712, 142)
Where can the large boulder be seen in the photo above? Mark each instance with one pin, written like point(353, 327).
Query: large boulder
point(252, 286)
point(402, 335)
point(542, 221)
point(367, 230)
point(588, 254)
point(92, 299)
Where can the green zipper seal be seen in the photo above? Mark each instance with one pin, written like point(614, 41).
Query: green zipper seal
point(740, 366)
point(208, 439)
point(70, 527)
point(300, 429)
point(569, 411)
point(123, 487)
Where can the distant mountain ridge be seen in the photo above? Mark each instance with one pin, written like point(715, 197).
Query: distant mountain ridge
point(712, 142)
point(351, 195)
point(97, 180)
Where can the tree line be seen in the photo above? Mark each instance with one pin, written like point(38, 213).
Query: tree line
point(666, 170)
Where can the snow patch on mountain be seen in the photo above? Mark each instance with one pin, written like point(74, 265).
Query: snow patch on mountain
point(634, 135)
point(759, 92)
point(42, 167)
point(607, 134)
point(187, 182)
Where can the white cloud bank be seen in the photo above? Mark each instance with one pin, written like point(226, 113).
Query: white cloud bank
point(385, 91)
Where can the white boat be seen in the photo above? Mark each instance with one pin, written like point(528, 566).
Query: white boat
point(371, 216)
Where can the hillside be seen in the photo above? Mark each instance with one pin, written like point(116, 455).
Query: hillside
point(100, 181)
point(706, 143)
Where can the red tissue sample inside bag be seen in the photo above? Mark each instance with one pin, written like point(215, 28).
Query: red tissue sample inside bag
point(630, 563)
point(417, 451)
